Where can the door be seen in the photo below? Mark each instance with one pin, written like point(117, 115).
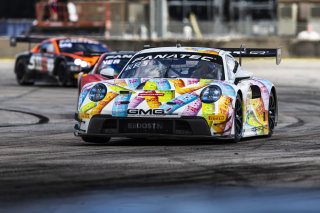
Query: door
point(43, 61)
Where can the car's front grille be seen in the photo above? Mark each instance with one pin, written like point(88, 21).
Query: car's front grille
point(102, 124)
point(182, 127)
point(145, 126)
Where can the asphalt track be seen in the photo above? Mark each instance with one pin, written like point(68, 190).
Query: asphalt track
point(42, 165)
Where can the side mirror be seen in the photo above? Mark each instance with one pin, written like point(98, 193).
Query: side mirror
point(108, 73)
point(238, 79)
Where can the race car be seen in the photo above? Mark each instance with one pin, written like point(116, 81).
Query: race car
point(60, 59)
point(110, 60)
point(178, 92)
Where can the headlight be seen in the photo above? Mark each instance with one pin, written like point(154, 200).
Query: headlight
point(97, 92)
point(210, 94)
point(77, 61)
point(84, 64)
point(81, 63)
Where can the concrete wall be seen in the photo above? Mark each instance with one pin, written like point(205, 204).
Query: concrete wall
point(8, 52)
point(289, 47)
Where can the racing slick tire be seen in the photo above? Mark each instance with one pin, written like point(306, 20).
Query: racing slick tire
point(238, 120)
point(63, 74)
point(21, 72)
point(91, 139)
point(272, 110)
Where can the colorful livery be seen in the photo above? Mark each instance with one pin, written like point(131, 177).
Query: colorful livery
point(180, 92)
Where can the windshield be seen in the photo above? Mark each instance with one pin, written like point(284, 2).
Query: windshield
point(175, 65)
point(115, 62)
point(84, 46)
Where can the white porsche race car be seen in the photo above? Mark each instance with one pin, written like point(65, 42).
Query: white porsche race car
point(177, 92)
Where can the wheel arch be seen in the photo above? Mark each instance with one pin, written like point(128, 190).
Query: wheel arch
point(19, 57)
point(256, 91)
point(56, 63)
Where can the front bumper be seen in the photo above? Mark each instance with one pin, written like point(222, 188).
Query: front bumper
point(142, 127)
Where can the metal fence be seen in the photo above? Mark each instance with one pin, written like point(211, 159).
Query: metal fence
point(211, 29)
point(146, 19)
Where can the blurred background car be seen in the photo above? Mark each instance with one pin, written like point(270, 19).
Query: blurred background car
point(57, 58)
point(114, 61)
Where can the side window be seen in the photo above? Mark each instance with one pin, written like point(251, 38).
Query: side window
point(230, 67)
point(47, 47)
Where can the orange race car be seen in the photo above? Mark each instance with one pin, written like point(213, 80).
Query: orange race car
point(60, 59)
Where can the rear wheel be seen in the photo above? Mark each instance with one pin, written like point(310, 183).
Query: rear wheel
point(21, 72)
point(91, 139)
point(238, 120)
point(272, 113)
point(63, 74)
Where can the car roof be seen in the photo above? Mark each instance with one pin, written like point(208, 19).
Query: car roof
point(212, 51)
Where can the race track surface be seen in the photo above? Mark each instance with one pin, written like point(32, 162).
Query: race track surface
point(40, 158)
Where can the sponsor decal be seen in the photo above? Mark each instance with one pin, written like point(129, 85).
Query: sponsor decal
point(175, 56)
point(118, 56)
point(217, 118)
point(151, 126)
point(150, 113)
point(84, 115)
point(67, 43)
point(150, 94)
point(257, 52)
point(258, 128)
point(111, 61)
point(145, 112)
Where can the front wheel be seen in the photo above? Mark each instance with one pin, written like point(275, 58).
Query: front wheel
point(92, 139)
point(238, 120)
point(21, 73)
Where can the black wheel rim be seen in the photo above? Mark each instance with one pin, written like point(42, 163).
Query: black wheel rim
point(272, 113)
point(238, 118)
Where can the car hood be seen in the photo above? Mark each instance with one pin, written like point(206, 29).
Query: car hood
point(139, 97)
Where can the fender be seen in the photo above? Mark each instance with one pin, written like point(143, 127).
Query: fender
point(24, 55)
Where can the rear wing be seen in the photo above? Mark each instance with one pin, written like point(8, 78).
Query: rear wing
point(254, 53)
point(26, 39)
